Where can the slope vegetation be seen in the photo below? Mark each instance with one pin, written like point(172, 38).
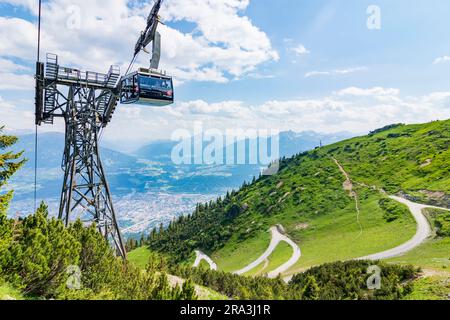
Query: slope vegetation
point(311, 197)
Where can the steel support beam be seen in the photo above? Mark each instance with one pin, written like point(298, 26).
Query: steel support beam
point(85, 192)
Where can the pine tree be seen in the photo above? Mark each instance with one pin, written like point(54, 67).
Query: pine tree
point(311, 289)
point(162, 290)
point(188, 291)
point(39, 258)
point(10, 162)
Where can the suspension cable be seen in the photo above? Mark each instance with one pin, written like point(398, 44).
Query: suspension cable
point(131, 64)
point(36, 126)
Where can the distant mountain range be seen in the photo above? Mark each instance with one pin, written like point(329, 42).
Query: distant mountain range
point(150, 167)
point(290, 142)
point(147, 187)
point(51, 148)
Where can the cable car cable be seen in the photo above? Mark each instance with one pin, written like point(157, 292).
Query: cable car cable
point(131, 64)
point(36, 126)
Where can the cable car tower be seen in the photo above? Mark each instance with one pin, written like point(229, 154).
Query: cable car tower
point(86, 101)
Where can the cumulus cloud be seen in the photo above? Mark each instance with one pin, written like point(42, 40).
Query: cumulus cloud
point(351, 109)
point(225, 44)
point(11, 81)
point(13, 117)
point(14, 76)
point(10, 66)
point(13, 45)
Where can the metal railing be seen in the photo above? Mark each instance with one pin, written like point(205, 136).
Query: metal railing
point(77, 75)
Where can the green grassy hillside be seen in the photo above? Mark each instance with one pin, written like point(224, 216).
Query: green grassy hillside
point(435, 252)
point(311, 198)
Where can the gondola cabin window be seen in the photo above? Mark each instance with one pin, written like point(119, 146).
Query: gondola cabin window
point(147, 88)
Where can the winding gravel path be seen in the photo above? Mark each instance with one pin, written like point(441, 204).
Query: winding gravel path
point(277, 237)
point(201, 256)
point(423, 231)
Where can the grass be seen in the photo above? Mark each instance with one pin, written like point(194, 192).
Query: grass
point(430, 288)
point(237, 255)
point(204, 265)
point(9, 293)
point(328, 237)
point(205, 293)
point(139, 257)
point(338, 237)
point(279, 256)
point(394, 159)
point(434, 253)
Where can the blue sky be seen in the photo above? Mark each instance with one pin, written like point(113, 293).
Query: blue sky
point(299, 65)
point(399, 55)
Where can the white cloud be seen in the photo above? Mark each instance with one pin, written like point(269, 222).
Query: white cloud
point(257, 75)
point(437, 97)
point(299, 50)
point(227, 109)
point(28, 4)
point(11, 81)
point(224, 45)
point(442, 59)
point(317, 73)
point(352, 109)
point(10, 66)
point(13, 45)
point(335, 72)
point(13, 118)
point(368, 92)
point(350, 70)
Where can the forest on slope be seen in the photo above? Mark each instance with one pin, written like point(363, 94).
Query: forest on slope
point(307, 197)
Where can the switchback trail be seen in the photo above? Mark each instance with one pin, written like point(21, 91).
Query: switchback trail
point(277, 237)
point(201, 256)
point(422, 233)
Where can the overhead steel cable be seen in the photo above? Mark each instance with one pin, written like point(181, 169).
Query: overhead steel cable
point(38, 56)
point(131, 64)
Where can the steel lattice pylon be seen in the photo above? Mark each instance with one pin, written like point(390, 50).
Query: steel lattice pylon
point(85, 187)
point(86, 101)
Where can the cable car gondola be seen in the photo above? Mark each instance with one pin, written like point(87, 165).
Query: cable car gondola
point(147, 87)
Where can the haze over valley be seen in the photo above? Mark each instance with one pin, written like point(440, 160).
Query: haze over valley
point(148, 189)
